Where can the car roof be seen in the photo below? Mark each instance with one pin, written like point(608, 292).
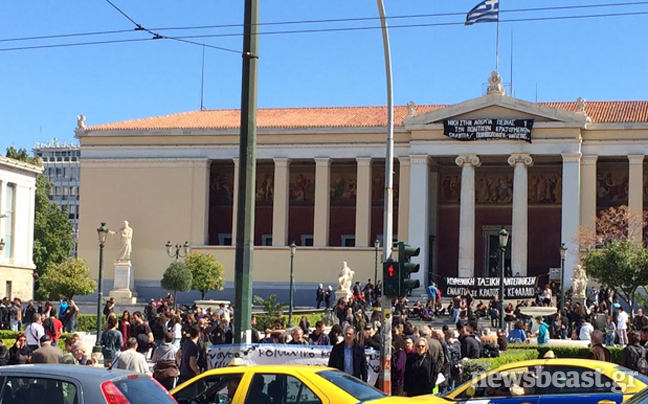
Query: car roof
point(73, 371)
point(269, 368)
point(558, 361)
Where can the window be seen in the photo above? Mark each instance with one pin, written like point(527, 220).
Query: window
point(511, 382)
point(211, 389)
point(142, 390)
point(38, 391)
point(307, 240)
point(574, 380)
point(225, 239)
point(354, 387)
point(10, 203)
point(266, 239)
point(278, 388)
point(394, 239)
point(8, 287)
point(348, 240)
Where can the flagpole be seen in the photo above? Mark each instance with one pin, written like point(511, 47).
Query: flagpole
point(497, 45)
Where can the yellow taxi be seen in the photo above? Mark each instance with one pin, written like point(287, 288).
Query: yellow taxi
point(549, 381)
point(283, 384)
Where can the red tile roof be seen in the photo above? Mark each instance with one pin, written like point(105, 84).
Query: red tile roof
point(351, 117)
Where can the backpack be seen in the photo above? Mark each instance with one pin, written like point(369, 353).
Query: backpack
point(454, 357)
point(490, 351)
point(642, 363)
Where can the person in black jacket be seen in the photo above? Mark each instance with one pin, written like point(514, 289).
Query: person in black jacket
point(471, 348)
point(632, 352)
point(349, 357)
point(419, 371)
point(19, 354)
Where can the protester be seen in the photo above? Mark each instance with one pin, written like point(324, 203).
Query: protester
point(165, 358)
point(47, 353)
point(130, 359)
point(419, 376)
point(470, 346)
point(189, 356)
point(319, 337)
point(319, 295)
point(398, 364)
point(34, 332)
point(598, 351)
point(633, 352)
point(111, 340)
point(543, 331)
point(19, 353)
point(349, 357)
point(621, 324)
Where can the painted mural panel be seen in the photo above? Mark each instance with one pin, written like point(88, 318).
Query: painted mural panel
point(343, 185)
point(221, 186)
point(378, 184)
point(265, 184)
point(612, 184)
point(545, 185)
point(493, 187)
point(450, 184)
point(302, 185)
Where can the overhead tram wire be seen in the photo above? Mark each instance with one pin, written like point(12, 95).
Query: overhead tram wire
point(186, 39)
point(339, 20)
point(156, 35)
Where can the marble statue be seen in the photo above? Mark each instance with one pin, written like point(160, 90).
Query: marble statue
point(81, 122)
point(579, 282)
point(126, 238)
point(495, 84)
point(580, 105)
point(346, 279)
point(411, 108)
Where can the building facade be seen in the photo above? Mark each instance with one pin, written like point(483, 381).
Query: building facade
point(17, 204)
point(320, 184)
point(61, 162)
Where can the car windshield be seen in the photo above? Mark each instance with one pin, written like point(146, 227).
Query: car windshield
point(358, 389)
point(142, 390)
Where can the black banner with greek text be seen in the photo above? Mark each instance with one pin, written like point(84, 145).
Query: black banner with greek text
point(517, 287)
point(488, 129)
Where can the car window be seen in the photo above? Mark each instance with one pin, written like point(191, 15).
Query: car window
point(579, 380)
point(34, 390)
point(211, 389)
point(142, 390)
point(279, 389)
point(358, 389)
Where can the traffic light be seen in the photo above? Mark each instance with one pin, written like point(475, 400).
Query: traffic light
point(391, 280)
point(406, 268)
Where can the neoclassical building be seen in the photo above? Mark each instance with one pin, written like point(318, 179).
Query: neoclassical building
point(547, 170)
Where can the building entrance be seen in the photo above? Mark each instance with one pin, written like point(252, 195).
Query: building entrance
point(490, 235)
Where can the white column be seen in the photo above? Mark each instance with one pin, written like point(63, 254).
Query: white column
point(570, 212)
point(434, 217)
point(419, 231)
point(403, 197)
point(235, 200)
point(588, 192)
point(30, 238)
point(635, 196)
point(363, 202)
point(519, 236)
point(467, 162)
point(3, 207)
point(322, 202)
point(280, 202)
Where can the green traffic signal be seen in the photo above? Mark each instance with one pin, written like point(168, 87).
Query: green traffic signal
point(405, 253)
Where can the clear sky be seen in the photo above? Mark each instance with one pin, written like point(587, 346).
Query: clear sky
point(43, 90)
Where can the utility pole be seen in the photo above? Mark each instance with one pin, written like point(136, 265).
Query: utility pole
point(385, 351)
point(243, 265)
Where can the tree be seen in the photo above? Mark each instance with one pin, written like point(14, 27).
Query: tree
point(207, 273)
point(177, 278)
point(270, 305)
point(53, 233)
point(621, 265)
point(67, 279)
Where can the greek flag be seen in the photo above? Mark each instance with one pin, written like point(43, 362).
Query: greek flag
point(486, 11)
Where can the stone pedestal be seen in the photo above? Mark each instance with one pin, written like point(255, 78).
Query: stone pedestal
point(578, 299)
point(346, 294)
point(124, 284)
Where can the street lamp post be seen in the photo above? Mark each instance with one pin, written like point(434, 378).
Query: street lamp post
point(376, 247)
point(102, 233)
point(293, 249)
point(563, 252)
point(503, 241)
point(178, 248)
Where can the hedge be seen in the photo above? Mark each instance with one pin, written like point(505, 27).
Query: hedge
point(8, 337)
point(472, 367)
point(568, 352)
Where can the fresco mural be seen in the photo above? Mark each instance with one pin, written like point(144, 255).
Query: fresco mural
point(343, 185)
point(612, 184)
point(302, 185)
point(545, 187)
point(378, 185)
point(265, 185)
point(221, 187)
point(450, 184)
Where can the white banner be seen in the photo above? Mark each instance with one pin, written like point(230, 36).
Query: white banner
point(280, 354)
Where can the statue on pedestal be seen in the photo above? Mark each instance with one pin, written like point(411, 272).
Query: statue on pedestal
point(345, 280)
point(579, 282)
point(126, 238)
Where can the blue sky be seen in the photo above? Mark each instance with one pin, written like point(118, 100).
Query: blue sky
point(43, 90)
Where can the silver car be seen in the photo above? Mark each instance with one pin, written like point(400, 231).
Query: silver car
point(76, 384)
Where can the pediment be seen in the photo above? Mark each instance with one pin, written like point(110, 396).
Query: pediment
point(498, 106)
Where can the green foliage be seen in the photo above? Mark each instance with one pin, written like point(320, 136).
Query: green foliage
point(177, 278)
point(472, 367)
point(53, 233)
point(86, 322)
point(67, 279)
point(622, 265)
point(270, 305)
point(263, 319)
point(206, 271)
point(22, 155)
point(9, 338)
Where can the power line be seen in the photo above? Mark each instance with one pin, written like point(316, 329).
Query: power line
point(338, 20)
point(186, 39)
